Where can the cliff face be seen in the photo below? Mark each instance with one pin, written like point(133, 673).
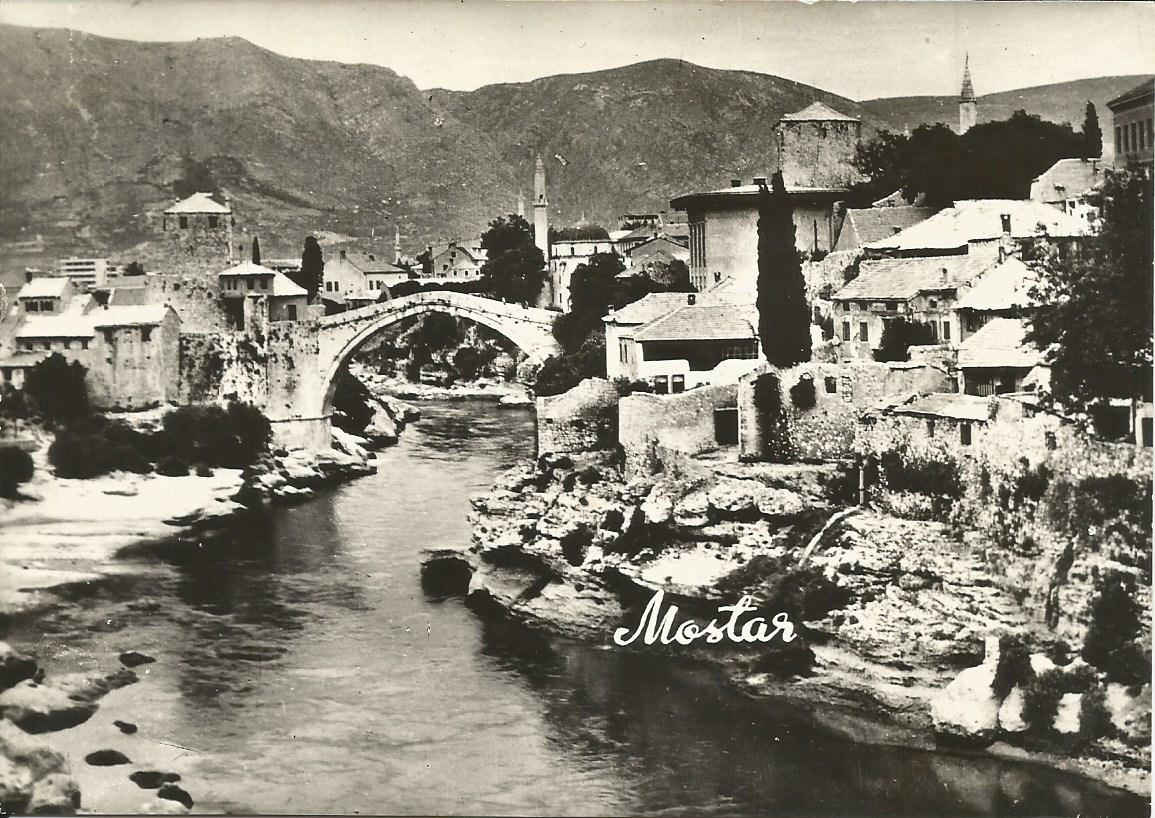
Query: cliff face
point(888, 611)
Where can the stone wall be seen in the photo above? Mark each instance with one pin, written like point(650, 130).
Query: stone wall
point(222, 366)
point(134, 367)
point(842, 393)
point(828, 275)
point(817, 153)
point(583, 419)
point(660, 432)
point(195, 298)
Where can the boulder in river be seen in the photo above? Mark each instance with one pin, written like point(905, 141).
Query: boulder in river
point(152, 779)
point(126, 727)
point(967, 710)
point(134, 658)
point(163, 806)
point(174, 793)
point(106, 758)
point(55, 794)
point(14, 666)
point(41, 708)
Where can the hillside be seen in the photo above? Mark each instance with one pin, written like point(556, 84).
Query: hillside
point(1060, 102)
point(631, 138)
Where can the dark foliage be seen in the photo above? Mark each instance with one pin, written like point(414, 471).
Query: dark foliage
point(1114, 625)
point(904, 471)
point(772, 418)
point(312, 272)
point(783, 317)
point(1092, 134)
point(468, 362)
point(1014, 666)
point(561, 373)
point(57, 389)
point(172, 466)
point(673, 277)
point(514, 269)
point(1099, 322)
point(585, 231)
point(1041, 699)
point(232, 437)
point(16, 467)
point(625, 386)
point(898, 335)
point(86, 452)
point(802, 394)
point(353, 404)
point(256, 250)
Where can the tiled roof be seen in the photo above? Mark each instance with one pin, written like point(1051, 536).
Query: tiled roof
point(1143, 89)
point(198, 203)
point(247, 268)
point(1000, 343)
point(70, 324)
point(979, 219)
point(900, 279)
point(1003, 286)
point(139, 315)
point(127, 296)
point(48, 287)
point(817, 111)
point(1067, 179)
point(660, 244)
point(285, 286)
point(947, 405)
point(647, 308)
point(862, 226)
point(702, 322)
point(372, 265)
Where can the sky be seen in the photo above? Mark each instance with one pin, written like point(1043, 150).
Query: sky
point(859, 50)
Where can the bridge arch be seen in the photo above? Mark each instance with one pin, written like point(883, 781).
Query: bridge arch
point(528, 328)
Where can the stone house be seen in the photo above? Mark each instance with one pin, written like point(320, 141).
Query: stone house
point(47, 295)
point(815, 152)
point(655, 252)
point(1071, 185)
point(861, 226)
point(287, 301)
point(1001, 291)
point(567, 255)
point(997, 359)
point(457, 261)
point(1131, 124)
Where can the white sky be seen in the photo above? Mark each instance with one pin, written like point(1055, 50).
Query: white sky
point(859, 50)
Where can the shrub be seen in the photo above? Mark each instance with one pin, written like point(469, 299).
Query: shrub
point(58, 389)
point(1014, 666)
point(898, 335)
point(1094, 717)
point(232, 437)
point(172, 466)
point(906, 472)
point(802, 394)
point(561, 373)
point(625, 386)
point(16, 467)
point(467, 363)
point(1041, 699)
point(204, 470)
point(1114, 624)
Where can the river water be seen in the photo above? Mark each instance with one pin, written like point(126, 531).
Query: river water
point(303, 669)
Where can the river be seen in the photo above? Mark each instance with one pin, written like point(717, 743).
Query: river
point(301, 668)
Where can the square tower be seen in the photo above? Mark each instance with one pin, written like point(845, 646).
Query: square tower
point(816, 148)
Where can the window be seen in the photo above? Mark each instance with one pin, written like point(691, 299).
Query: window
point(863, 331)
point(845, 330)
point(946, 330)
point(661, 385)
point(745, 349)
point(964, 434)
point(831, 385)
point(623, 352)
point(934, 332)
point(892, 306)
point(183, 221)
point(1118, 138)
point(677, 383)
point(930, 427)
point(84, 343)
point(145, 334)
point(264, 284)
point(933, 303)
point(292, 310)
point(212, 221)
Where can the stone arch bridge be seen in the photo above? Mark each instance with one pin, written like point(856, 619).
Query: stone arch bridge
point(304, 418)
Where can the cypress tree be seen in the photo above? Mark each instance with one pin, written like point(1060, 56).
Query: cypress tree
point(312, 271)
point(256, 250)
point(783, 317)
point(1092, 134)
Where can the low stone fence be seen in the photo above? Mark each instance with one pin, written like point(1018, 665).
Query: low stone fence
point(660, 432)
point(583, 419)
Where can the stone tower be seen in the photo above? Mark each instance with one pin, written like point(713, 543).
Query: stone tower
point(540, 210)
point(816, 148)
point(968, 106)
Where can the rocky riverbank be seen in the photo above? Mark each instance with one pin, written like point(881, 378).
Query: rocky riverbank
point(507, 393)
point(901, 624)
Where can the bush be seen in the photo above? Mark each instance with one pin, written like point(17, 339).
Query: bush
point(232, 437)
point(204, 470)
point(561, 373)
point(1041, 700)
point(57, 389)
point(1094, 717)
point(625, 386)
point(1014, 666)
point(467, 363)
point(16, 467)
point(172, 466)
point(1114, 625)
point(802, 394)
point(898, 335)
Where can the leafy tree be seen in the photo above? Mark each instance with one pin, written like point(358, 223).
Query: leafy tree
point(58, 389)
point(673, 277)
point(783, 318)
point(1092, 134)
point(515, 268)
point(563, 372)
point(898, 335)
point(16, 467)
point(585, 231)
point(881, 161)
point(1097, 322)
point(436, 331)
point(425, 259)
point(468, 362)
point(594, 287)
point(256, 250)
point(312, 272)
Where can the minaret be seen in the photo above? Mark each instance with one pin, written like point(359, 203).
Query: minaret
point(521, 204)
point(968, 106)
point(540, 210)
point(396, 243)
